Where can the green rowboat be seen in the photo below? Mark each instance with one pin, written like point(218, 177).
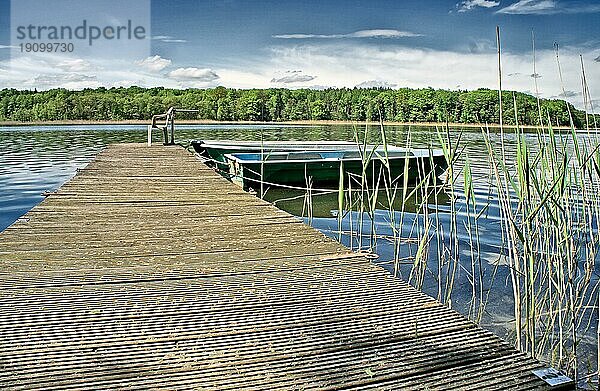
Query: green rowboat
point(321, 169)
point(295, 163)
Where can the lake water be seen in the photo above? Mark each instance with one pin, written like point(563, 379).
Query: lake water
point(41, 158)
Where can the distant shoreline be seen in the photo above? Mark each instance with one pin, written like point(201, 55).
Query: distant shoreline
point(306, 123)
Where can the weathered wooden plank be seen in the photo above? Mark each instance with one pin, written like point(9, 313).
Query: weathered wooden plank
point(148, 270)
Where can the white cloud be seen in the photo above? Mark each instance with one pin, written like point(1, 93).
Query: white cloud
point(548, 7)
point(482, 46)
point(316, 87)
point(74, 65)
point(347, 63)
point(54, 71)
point(292, 77)
point(382, 33)
point(468, 5)
point(350, 64)
point(127, 83)
point(194, 74)
point(73, 81)
point(168, 39)
point(375, 84)
point(375, 33)
point(530, 7)
point(248, 77)
point(568, 94)
point(154, 63)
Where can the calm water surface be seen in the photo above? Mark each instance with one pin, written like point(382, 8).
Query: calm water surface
point(38, 159)
point(34, 159)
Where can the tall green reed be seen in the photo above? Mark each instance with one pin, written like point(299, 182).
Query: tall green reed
point(548, 199)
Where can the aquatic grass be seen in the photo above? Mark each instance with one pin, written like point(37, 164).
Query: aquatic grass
point(448, 254)
point(549, 225)
point(340, 199)
point(308, 199)
point(552, 239)
point(397, 228)
point(472, 227)
point(547, 197)
point(262, 163)
point(549, 220)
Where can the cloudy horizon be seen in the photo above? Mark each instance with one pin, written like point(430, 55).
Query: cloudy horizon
point(374, 49)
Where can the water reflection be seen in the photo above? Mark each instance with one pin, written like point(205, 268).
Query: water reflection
point(38, 159)
point(34, 159)
point(326, 204)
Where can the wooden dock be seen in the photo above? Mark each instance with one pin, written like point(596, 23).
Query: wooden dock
point(149, 271)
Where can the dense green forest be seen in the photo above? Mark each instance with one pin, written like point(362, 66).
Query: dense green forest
point(225, 104)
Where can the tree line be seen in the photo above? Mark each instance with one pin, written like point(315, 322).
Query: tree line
point(277, 104)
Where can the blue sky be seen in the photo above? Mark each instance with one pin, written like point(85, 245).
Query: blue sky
point(317, 44)
point(228, 28)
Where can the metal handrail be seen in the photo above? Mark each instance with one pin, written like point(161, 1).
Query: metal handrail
point(169, 117)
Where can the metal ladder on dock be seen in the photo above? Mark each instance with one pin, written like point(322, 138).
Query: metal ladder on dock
point(169, 118)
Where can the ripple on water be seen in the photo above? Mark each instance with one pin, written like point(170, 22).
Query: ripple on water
point(41, 158)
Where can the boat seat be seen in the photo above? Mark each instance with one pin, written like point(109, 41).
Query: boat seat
point(303, 156)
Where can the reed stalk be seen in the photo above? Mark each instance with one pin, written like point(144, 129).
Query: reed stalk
point(547, 195)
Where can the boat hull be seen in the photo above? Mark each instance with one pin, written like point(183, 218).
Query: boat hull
point(326, 174)
point(273, 163)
